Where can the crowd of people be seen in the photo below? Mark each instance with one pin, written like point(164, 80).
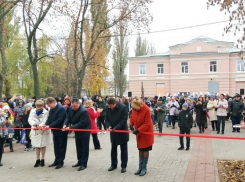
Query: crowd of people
point(49, 120)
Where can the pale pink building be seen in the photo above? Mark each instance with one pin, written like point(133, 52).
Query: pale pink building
point(200, 65)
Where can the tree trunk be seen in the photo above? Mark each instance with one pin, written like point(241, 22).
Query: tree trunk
point(36, 80)
point(80, 81)
point(7, 86)
point(2, 50)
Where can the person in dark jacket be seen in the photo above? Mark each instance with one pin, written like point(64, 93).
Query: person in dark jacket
point(34, 99)
point(201, 118)
point(160, 109)
point(116, 118)
point(79, 118)
point(10, 103)
point(185, 124)
point(56, 118)
point(236, 109)
point(101, 119)
point(18, 112)
point(26, 124)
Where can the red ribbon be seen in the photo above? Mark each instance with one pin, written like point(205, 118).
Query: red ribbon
point(148, 133)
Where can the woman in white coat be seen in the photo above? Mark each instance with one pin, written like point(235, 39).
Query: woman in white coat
point(212, 112)
point(39, 136)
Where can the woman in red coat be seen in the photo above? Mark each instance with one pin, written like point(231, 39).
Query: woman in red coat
point(141, 122)
point(93, 115)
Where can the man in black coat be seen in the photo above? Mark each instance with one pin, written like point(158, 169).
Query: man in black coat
point(79, 118)
point(116, 119)
point(185, 121)
point(56, 118)
point(236, 108)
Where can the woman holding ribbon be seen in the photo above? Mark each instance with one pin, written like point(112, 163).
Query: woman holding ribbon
point(140, 122)
point(39, 136)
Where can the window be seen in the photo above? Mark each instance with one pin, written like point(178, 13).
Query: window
point(240, 65)
point(184, 67)
point(160, 69)
point(241, 91)
point(213, 66)
point(199, 48)
point(142, 69)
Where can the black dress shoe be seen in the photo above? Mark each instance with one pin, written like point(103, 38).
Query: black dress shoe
point(81, 168)
point(181, 148)
point(223, 132)
point(112, 168)
point(98, 149)
point(58, 166)
point(76, 165)
point(217, 132)
point(1, 164)
point(187, 149)
point(123, 170)
point(53, 165)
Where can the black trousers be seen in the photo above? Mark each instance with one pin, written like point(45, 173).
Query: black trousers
point(236, 120)
point(221, 119)
point(82, 146)
point(100, 122)
point(160, 126)
point(214, 124)
point(17, 134)
point(173, 120)
point(124, 155)
point(181, 139)
point(96, 141)
point(201, 127)
point(28, 145)
point(10, 142)
point(60, 144)
point(2, 140)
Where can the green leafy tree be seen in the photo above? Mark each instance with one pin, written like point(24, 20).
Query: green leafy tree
point(5, 7)
point(120, 60)
point(143, 47)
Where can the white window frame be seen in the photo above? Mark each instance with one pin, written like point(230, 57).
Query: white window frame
point(160, 68)
point(199, 48)
point(181, 66)
point(240, 66)
point(140, 69)
point(214, 64)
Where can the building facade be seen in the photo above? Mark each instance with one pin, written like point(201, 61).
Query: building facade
point(200, 65)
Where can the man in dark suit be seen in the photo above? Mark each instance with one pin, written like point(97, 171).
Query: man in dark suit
point(116, 119)
point(56, 118)
point(79, 118)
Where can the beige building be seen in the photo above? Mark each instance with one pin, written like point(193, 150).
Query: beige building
point(200, 65)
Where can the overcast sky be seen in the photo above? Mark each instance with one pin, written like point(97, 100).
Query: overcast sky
point(182, 13)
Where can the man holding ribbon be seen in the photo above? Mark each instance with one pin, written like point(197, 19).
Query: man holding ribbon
point(116, 119)
point(79, 118)
point(56, 118)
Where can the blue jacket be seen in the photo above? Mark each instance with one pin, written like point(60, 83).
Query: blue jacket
point(79, 119)
point(56, 119)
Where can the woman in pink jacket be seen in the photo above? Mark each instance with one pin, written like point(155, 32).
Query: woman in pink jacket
point(93, 115)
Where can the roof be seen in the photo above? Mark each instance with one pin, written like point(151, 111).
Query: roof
point(163, 54)
point(233, 49)
point(203, 39)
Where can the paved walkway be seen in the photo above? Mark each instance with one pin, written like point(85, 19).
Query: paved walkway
point(166, 163)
